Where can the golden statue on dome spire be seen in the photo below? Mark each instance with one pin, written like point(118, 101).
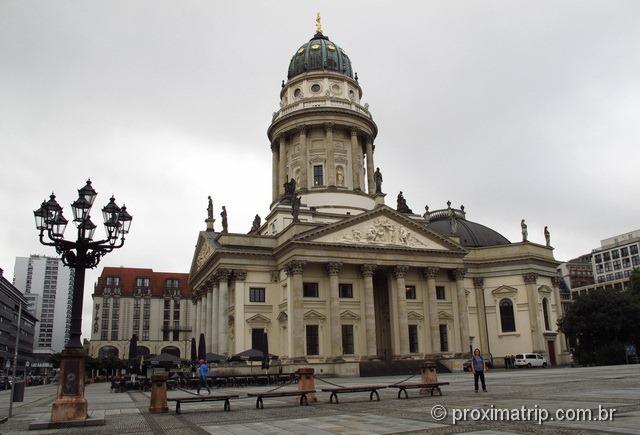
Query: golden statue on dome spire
point(318, 24)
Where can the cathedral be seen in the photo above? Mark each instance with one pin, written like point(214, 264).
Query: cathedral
point(335, 276)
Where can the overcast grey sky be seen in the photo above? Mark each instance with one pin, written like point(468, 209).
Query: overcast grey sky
point(514, 109)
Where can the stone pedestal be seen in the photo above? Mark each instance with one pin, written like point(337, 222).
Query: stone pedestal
point(70, 404)
point(307, 382)
point(428, 374)
point(379, 199)
point(158, 394)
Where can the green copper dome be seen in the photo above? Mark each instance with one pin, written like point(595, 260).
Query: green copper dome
point(319, 54)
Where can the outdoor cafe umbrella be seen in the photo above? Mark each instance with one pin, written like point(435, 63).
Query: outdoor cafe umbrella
point(133, 352)
point(214, 358)
point(194, 352)
point(202, 347)
point(252, 355)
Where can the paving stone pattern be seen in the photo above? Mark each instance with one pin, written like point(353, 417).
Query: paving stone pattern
point(559, 388)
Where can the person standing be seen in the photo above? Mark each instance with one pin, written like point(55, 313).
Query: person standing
point(478, 367)
point(203, 374)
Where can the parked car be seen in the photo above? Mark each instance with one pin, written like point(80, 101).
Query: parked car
point(530, 360)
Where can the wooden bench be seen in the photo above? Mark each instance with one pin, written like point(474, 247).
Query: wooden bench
point(402, 388)
point(372, 389)
point(216, 398)
point(288, 393)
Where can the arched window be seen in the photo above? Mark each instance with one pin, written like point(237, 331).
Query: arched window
point(545, 312)
point(108, 352)
point(507, 318)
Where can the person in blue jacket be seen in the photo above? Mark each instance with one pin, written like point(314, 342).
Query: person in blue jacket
point(203, 374)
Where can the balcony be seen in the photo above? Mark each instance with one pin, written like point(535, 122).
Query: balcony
point(307, 103)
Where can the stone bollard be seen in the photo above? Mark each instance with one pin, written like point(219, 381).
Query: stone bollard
point(158, 394)
point(306, 381)
point(429, 375)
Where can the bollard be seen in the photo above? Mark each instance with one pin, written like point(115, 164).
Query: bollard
point(158, 394)
point(306, 381)
point(429, 375)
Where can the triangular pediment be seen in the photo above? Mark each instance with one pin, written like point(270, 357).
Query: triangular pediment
point(314, 315)
point(204, 251)
point(258, 318)
point(414, 315)
point(443, 315)
point(381, 227)
point(282, 317)
point(349, 315)
point(504, 290)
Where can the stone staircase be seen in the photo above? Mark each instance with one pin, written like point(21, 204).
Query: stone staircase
point(396, 367)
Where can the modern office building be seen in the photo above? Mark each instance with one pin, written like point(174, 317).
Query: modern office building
point(155, 306)
point(10, 300)
point(47, 285)
point(613, 263)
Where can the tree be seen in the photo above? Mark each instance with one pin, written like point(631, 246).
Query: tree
point(603, 322)
point(634, 283)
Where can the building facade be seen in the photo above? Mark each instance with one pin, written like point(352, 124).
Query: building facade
point(334, 274)
point(613, 263)
point(47, 285)
point(10, 300)
point(155, 306)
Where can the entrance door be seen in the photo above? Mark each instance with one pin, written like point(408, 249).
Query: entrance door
point(551, 347)
point(383, 321)
point(259, 340)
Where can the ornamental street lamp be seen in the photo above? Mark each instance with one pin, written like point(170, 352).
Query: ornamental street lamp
point(70, 404)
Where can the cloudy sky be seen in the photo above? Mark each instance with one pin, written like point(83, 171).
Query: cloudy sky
point(514, 109)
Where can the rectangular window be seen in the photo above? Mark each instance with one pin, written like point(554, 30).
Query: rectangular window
point(599, 268)
point(410, 291)
point(598, 258)
point(256, 294)
point(346, 291)
point(616, 265)
point(171, 283)
point(606, 256)
point(615, 254)
point(624, 251)
point(113, 281)
point(310, 290)
point(347, 340)
point(444, 339)
point(413, 339)
point(318, 179)
point(633, 249)
point(142, 282)
point(313, 344)
point(440, 293)
point(635, 260)
point(607, 267)
point(166, 318)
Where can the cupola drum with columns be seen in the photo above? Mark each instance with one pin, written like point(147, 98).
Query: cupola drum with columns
point(322, 136)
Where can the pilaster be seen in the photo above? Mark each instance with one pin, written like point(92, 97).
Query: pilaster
point(355, 159)
point(330, 147)
point(369, 315)
point(304, 161)
point(478, 285)
point(371, 185)
point(434, 322)
point(333, 269)
point(223, 276)
point(399, 273)
point(530, 279)
point(295, 320)
point(463, 310)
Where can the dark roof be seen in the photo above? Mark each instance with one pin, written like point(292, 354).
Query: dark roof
point(319, 54)
point(471, 234)
point(128, 276)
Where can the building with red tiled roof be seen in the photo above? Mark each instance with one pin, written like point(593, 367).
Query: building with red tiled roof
point(155, 306)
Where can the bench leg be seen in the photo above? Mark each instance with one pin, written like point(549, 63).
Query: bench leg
point(177, 407)
point(403, 390)
point(303, 400)
point(333, 394)
point(227, 405)
point(259, 404)
point(376, 393)
point(439, 391)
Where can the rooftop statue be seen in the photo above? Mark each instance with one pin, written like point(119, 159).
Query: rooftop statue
point(256, 224)
point(525, 233)
point(223, 215)
point(547, 236)
point(402, 206)
point(377, 177)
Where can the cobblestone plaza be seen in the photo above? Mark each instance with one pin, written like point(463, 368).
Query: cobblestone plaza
point(615, 387)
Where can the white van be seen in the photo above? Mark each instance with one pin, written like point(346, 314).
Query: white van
point(530, 360)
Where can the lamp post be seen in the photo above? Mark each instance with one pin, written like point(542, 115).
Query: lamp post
point(70, 404)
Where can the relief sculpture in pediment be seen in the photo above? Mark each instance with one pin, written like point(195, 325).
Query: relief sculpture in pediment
point(204, 253)
point(381, 231)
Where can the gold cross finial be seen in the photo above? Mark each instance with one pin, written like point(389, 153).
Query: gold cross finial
point(318, 23)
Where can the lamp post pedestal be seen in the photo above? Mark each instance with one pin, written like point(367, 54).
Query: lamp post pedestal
point(70, 404)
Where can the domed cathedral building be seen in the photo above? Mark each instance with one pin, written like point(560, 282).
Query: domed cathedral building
point(336, 278)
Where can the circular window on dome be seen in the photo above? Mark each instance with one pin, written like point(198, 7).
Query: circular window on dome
point(331, 47)
point(315, 87)
point(301, 50)
point(315, 46)
point(352, 94)
point(297, 93)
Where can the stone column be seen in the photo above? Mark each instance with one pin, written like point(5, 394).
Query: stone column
point(399, 273)
point(478, 285)
point(223, 275)
point(296, 311)
point(282, 161)
point(333, 319)
point(530, 280)
point(239, 277)
point(198, 313)
point(215, 307)
point(369, 309)
point(434, 321)
point(463, 309)
point(193, 316)
point(274, 172)
point(355, 158)
point(203, 312)
point(331, 160)
point(304, 163)
point(207, 316)
point(371, 184)
point(559, 311)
